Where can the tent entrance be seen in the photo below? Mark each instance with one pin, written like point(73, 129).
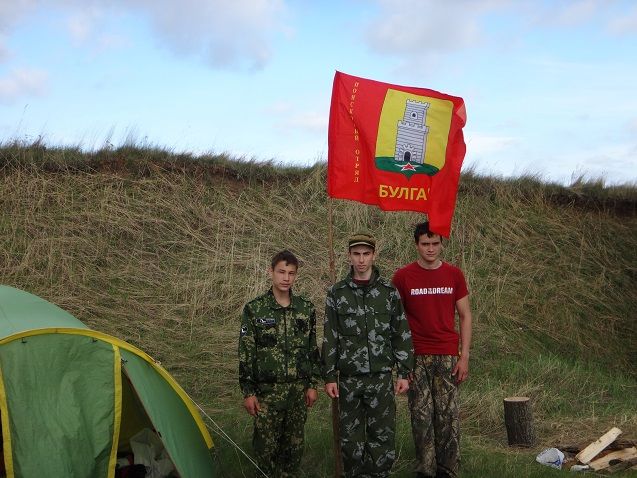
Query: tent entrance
point(138, 442)
point(134, 417)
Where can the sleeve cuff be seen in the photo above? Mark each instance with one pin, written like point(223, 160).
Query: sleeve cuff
point(248, 391)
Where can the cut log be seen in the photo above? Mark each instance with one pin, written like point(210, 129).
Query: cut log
point(576, 448)
point(622, 465)
point(604, 462)
point(518, 418)
point(592, 450)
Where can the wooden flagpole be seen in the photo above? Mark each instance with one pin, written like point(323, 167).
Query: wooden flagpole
point(338, 461)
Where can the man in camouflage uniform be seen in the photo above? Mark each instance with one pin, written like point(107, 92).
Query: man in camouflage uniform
point(278, 366)
point(366, 335)
point(432, 291)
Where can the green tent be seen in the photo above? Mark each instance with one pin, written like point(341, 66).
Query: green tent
point(71, 398)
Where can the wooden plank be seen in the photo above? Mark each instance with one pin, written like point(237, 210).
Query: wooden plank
point(592, 450)
point(622, 465)
point(604, 462)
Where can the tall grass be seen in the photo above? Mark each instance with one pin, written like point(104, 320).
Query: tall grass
point(163, 250)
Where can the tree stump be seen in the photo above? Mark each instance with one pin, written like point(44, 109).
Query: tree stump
point(518, 418)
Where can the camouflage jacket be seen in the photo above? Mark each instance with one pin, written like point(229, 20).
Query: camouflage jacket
point(277, 344)
point(365, 330)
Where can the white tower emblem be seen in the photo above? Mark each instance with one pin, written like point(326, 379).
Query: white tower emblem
point(411, 138)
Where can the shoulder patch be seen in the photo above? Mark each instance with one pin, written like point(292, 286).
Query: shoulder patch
point(244, 330)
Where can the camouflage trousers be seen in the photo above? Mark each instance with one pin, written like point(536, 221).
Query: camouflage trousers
point(435, 422)
point(278, 429)
point(367, 425)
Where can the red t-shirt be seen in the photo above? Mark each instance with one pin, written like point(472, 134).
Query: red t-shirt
point(429, 298)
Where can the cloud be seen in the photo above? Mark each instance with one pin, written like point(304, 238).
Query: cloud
point(4, 51)
point(310, 121)
point(624, 24)
point(430, 26)
point(10, 13)
point(225, 34)
point(22, 82)
point(431, 29)
point(11, 10)
point(491, 154)
point(480, 144)
point(573, 12)
point(81, 24)
point(613, 17)
point(614, 163)
point(290, 119)
point(438, 28)
point(88, 28)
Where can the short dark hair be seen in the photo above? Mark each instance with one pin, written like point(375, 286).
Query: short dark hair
point(285, 256)
point(423, 228)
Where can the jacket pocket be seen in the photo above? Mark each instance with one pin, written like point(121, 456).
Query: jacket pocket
point(350, 324)
point(265, 332)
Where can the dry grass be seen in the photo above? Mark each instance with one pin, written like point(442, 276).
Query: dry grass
point(163, 251)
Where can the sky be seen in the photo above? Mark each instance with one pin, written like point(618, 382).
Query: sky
point(550, 87)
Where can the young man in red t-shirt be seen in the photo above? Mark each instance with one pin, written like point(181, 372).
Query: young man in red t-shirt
point(432, 291)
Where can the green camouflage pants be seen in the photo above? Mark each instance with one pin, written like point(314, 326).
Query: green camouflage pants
point(367, 425)
point(278, 429)
point(435, 423)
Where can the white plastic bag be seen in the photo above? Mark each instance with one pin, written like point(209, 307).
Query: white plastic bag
point(148, 450)
point(551, 457)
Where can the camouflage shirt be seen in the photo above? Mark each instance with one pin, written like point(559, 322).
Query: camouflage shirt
point(365, 330)
point(277, 344)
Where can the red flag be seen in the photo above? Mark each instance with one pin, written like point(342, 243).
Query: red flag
point(398, 147)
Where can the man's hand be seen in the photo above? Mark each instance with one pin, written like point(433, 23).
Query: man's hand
point(331, 388)
point(310, 397)
point(251, 404)
point(402, 385)
point(461, 370)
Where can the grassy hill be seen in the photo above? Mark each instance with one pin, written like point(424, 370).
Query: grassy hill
point(163, 250)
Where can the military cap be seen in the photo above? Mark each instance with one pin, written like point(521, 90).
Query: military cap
point(362, 239)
